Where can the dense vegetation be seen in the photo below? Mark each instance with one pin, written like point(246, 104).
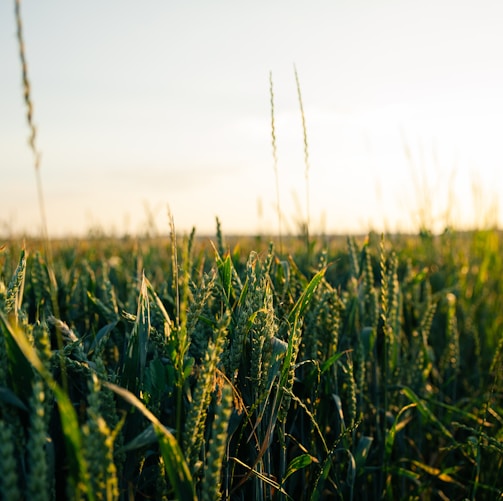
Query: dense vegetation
point(144, 369)
point(147, 369)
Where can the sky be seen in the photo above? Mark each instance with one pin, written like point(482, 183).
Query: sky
point(143, 108)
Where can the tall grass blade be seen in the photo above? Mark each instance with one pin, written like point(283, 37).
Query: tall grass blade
point(174, 460)
point(275, 163)
point(306, 162)
point(427, 413)
point(136, 352)
point(397, 426)
point(20, 370)
point(32, 141)
point(78, 479)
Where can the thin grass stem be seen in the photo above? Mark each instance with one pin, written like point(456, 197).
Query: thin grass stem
point(32, 139)
point(275, 163)
point(306, 158)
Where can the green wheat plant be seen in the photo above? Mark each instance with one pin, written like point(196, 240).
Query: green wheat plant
point(306, 160)
point(346, 380)
point(275, 163)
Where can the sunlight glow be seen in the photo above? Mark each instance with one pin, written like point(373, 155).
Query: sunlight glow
point(402, 103)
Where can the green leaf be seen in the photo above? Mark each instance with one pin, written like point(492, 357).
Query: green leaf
point(279, 349)
point(156, 380)
point(225, 272)
point(326, 466)
point(390, 437)
point(135, 359)
point(69, 421)
point(305, 298)
point(147, 437)
point(20, 370)
point(298, 463)
point(403, 472)
point(294, 318)
point(426, 412)
point(368, 336)
point(160, 306)
point(102, 335)
point(174, 460)
point(244, 293)
point(340, 412)
point(331, 361)
point(442, 475)
point(362, 453)
point(9, 397)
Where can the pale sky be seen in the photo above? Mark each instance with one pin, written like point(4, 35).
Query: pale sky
point(145, 105)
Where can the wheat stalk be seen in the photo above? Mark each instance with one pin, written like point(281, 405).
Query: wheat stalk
point(306, 159)
point(275, 162)
point(32, 140)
